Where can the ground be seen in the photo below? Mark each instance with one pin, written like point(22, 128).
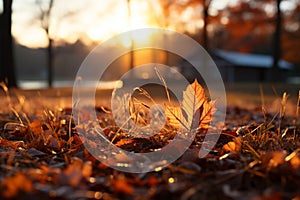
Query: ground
point(256, 157)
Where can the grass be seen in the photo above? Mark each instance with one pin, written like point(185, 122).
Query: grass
point(256, 157)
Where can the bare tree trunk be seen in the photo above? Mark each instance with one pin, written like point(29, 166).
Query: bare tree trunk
point(45, 15)
point(206, 4)
point(204, 34)
point(277, 36)
point(50, 46)
point(131, 58)
point(50, 62)
point(7, 70)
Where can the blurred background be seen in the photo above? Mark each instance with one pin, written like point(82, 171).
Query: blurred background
point(43, 42)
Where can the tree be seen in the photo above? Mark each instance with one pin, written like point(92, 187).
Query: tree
point(277, 36)
point(131, 58)
point(45, 13)
point(291, 35)
point(205, 7)
point(7, 70)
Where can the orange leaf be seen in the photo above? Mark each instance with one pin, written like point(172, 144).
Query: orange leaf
point(273, 159)
point(174, 116)
point(295, 162)
point(121, 185)
point(13, 185)
point(208, 109)
point(152, 180)
point(36, 127)
point(123, 142)
point(233, 146)
point(196, 111)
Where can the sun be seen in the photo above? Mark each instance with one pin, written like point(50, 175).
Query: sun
point(120, 21)
point(98, 23)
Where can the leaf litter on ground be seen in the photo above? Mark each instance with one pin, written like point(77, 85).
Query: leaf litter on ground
point(257, 155)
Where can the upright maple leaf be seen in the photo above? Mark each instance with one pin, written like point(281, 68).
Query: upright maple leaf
point(195, 112)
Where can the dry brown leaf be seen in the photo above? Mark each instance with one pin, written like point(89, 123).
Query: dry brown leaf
point(196, 111)
point(36, 127)
point(121, 185)
point(193, 100)
point(75, 172)
point(234, 146)
point(51, 141)
point(152, 180)
point(208, 109)
point(13, 185)
point(174, 116)
point(273, 159)
point(122, 142)
point(12, 144)
point(295, 162)
point(87, 169)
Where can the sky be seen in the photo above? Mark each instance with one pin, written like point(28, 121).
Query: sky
point(73, 19)
point(90, 20)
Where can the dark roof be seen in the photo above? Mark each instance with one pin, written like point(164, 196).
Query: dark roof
point(251, 60)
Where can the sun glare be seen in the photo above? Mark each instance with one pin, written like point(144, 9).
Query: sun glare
point(119, 21)
point(86, 24)
point(136, 39)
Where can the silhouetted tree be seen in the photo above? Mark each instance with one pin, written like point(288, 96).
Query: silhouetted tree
point(277, 36)
point(205, 7)
point(131, 58)
point(7, 70)
point(45, 13)
point(291, 35)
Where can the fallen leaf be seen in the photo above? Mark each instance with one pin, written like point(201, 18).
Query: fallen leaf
point(11, 186)
point(87, 169)
point(233, 146)
point(12, 144)
point(121, 185)
point(75, 172)
point(273, 159)
point(36, 127)
point(193, 101)
point(152, 180)
point(196, 111)
point(51, 141)
point(295, 162)
point(174, 116)
point(208, 109)
point(294, 159)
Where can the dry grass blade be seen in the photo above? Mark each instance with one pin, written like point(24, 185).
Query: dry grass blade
point(263, 106)
point(6, 91)
point(282, 110)
point(297, 115)
point(164, 83)
point(252, 150)
point(145, 93)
